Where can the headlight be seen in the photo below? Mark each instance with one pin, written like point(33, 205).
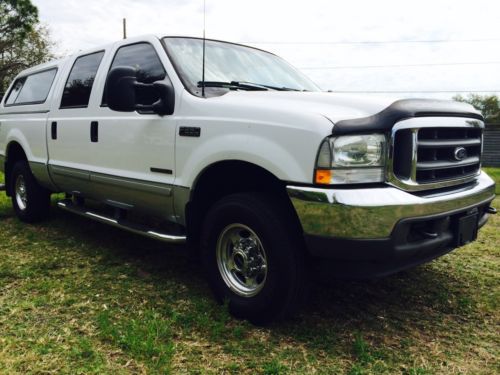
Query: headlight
point(351, 159)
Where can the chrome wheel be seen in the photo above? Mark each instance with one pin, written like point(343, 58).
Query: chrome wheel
point(21, 194)
point(241, 259)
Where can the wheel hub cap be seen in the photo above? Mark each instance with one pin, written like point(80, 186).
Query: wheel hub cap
point(241, 260)
point(21, 194)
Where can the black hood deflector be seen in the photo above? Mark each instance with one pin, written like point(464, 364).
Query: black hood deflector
point(404, 109)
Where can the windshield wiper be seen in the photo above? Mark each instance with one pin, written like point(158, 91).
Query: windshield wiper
point(282, 88)
point(234, 85)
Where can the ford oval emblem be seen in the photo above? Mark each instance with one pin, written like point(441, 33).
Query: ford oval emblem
point(460, 153)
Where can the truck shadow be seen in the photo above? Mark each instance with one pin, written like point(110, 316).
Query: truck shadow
point(421, 300)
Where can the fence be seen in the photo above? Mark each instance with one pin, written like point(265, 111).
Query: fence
point(491, 150)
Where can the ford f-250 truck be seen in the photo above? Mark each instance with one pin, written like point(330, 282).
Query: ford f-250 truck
point(232, 150)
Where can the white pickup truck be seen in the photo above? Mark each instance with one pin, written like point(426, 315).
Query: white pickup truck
point(247, 161)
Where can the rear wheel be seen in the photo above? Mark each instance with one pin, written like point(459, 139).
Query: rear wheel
point(31, 201)
point(254, 257)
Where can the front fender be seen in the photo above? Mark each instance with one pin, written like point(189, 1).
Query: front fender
point(290, 159)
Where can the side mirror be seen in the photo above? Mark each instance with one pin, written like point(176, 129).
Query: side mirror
point(121, 92)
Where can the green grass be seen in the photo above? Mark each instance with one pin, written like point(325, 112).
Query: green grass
point(78, 297)
point(494, 173)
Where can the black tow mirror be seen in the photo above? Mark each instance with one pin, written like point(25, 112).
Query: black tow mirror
point(122, 87)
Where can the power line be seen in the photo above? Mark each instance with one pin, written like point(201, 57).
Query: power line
point(398, 65)
point(374, 42)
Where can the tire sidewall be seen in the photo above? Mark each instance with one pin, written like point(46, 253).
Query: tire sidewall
point(36, 195)
point(280, 253)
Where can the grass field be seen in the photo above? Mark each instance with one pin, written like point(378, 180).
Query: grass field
point(495, 174)
point(80, 297)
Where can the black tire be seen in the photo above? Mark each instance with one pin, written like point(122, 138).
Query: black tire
point(36, 203)
point(286, 283)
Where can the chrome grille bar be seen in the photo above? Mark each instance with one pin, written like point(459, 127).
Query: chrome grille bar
point(431, 165)
point(434, 152)
point(437, 143)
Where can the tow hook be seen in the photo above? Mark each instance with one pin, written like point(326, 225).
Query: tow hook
point(491, 210)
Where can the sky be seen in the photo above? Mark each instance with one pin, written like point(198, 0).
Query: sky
point(347, 46)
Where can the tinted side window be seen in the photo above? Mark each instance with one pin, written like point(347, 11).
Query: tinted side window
point(81, 78)
point(143, 57)
point(32, 89)
point(14, 92)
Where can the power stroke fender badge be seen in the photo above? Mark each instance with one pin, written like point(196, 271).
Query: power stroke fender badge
point(460, 153)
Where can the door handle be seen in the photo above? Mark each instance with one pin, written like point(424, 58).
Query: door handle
point(94, 131)
point(53, 130)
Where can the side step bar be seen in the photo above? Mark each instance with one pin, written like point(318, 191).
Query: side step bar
point(68, 205)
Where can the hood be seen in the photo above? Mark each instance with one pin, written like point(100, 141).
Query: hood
point(335, 107)
point(350, 113)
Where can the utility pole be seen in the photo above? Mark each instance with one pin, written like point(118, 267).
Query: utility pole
point(124, 28)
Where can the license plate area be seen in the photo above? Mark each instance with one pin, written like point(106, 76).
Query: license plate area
point(466, 230)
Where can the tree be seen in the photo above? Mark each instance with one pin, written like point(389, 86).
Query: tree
point(17, 18)
point(489, 105)
point(24, 42)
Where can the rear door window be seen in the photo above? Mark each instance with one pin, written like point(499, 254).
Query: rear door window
point(32, 89)
point(80, 81)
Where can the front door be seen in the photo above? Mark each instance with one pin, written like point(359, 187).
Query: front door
point(132, 155)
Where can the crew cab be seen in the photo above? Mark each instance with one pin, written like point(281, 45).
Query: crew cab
point(234, 152)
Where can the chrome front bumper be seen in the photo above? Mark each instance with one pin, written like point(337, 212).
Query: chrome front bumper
point(372, 213)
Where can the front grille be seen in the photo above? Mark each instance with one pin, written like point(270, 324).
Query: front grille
point(436, 153)
point(426, 155)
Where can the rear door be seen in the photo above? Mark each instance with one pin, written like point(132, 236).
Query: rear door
point(69, 126)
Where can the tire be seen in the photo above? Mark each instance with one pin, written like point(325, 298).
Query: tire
point(31, 201)
point(253, 254)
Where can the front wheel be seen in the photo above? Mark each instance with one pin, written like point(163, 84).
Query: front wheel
point(254, 257)
point(31, 201)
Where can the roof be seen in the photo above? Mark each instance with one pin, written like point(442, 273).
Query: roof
point(58, 62)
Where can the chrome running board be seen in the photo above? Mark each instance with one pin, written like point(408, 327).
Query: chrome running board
point(142, 230)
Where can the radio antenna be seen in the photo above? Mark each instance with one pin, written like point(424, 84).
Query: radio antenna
point(203, 58)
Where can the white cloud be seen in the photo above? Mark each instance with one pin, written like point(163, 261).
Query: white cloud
point(80, 24)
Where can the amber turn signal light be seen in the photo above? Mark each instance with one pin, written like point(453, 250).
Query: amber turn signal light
point(323, 176)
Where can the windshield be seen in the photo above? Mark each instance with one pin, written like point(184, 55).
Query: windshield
point(232, 63)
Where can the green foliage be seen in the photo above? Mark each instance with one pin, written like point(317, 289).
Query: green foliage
point(361, 349)
point(145, 337)
point(494, 173)
point(17, 18)
point(24, 42)
point(273, 367)
point(489, 105)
